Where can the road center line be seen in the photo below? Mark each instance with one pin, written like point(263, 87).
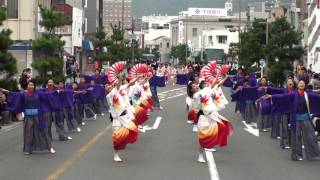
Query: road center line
point(157, 123)
point(214, 175)
point(69, 162)
point(164, 92)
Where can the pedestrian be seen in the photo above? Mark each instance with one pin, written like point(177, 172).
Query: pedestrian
point(124, 130)
point(35, 134)
point(66, 113)
point(153, 88)
point(263, 122)
point(52, 112)
point(213, 129)
point(4, 113)
point(24, 78)
point(303, 129)
point(86, 100)
point(286, 131)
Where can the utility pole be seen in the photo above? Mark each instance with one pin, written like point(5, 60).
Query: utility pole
point(186, 37)
point(122, 15)
point(132, 43)
point(239, 22)
point(100, 13)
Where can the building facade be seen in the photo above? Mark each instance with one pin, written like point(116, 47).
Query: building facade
point(189, 29)
point(314, 35)
point(91, 16)
point(156, 32)
point(219, 39)
point(23, 20)
point(115, 12)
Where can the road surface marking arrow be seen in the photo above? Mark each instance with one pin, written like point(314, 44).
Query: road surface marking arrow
point(250, 129)
point(157, 123)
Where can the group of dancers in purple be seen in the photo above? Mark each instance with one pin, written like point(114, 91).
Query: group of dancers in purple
point(58, 103)
point(286, 111)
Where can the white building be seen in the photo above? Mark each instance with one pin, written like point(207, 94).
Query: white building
point(156, 33)
point(219, 39)
point(155, 27)
point(314, 36)
point(72, 34)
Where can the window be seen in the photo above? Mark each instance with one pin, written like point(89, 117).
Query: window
point(210, 40)
point(155, 26)
point(166, 26)
point(85, 25)
point(194, 32)
point(12, 8)
point(222, 39)
point(168, 45)
point(85, 3)
point(160, 45)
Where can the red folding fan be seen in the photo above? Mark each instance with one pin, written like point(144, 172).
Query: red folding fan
point(114, 70)
point(137, 70)
point(225, 69)
point(210, 71)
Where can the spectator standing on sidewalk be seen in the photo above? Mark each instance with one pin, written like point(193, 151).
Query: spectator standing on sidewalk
point(24, 78)
point(4, 113)
point(153, 87)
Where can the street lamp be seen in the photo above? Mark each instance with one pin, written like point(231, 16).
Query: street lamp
point(262, 64)
point(267, 40)
point(186, 37)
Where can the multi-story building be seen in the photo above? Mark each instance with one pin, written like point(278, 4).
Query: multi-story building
point(263, 6)
point(115, 12)
point(72, 34)
point(188, 29)
point(156, 33)
point(314, 35)
point(217, 42)
point(23, 20)
point(91, 16)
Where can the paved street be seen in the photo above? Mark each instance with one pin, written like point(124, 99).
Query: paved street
point(167, 152)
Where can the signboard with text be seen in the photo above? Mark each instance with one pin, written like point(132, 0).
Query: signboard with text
point(207, 12)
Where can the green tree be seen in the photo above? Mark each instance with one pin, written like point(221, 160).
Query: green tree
point(101, 42)
point(156, 53)
point(283, 45)
point(252, 44)
point(180, 52)
point(8, 66)
point(117, 50)
point(48, 48)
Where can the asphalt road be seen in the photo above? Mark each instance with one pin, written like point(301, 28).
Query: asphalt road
point(166, 153)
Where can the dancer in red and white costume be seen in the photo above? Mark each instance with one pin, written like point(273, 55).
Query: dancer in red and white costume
point(124, 129)
point(213, 129)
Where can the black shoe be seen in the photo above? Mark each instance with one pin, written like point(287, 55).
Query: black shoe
point(63, 139)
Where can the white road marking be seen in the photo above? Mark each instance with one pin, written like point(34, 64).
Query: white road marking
point(6, 129)
point(164, 92)
point(157, 123)
point(250, 129)
point(212, 166)
point(178, 95)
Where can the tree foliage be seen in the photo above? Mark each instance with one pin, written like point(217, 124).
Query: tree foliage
point(8, 64)
point(51, 20)
point(180, 52)
point(252, 44)
point(48, 47)
point(283, 44)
